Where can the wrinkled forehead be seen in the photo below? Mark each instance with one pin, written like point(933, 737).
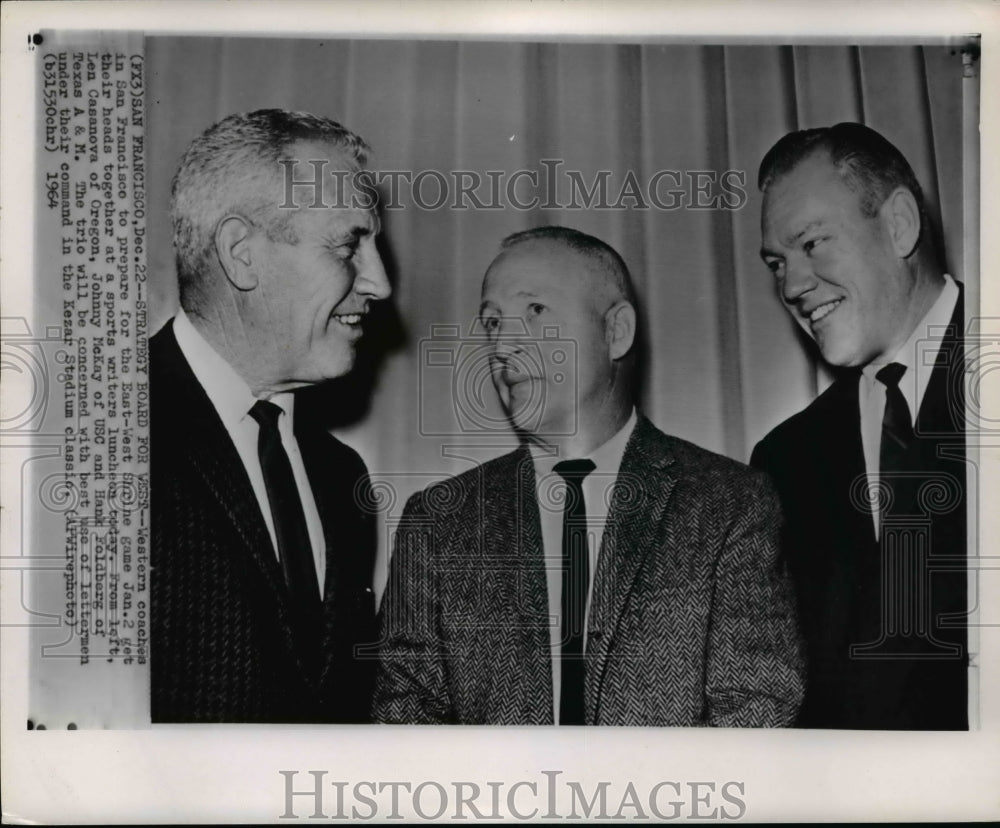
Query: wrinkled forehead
point(357, 222)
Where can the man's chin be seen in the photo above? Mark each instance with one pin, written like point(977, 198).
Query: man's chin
point(544, 428)
point(839, 355)
point(520, 405)
point(522, 420)
point(331, 369)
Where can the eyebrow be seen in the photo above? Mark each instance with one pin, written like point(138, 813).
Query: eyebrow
point(521, 294)
point(360, 230)
point(371, 227)
point(790, 241)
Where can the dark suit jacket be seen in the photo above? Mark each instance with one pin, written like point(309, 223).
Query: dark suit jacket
point(691, 619)
point(222, 645)
point(911, 679)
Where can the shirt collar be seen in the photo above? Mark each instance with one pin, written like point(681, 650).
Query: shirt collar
point(938, 316)
point(607, 458)
point(930, 327)
point(226, 389)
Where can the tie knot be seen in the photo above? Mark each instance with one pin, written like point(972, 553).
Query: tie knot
point(891, 374)
point(574, 470)
point(266, 414)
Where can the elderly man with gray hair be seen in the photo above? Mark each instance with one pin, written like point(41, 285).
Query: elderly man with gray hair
point(261, 587)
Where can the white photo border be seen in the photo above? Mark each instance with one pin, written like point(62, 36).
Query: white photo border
point(231, 773)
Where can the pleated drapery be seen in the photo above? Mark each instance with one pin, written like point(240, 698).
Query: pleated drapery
point(723, 363)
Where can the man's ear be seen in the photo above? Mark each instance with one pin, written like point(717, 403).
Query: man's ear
point(902, 220)
point(619, 327)
point(232, 245)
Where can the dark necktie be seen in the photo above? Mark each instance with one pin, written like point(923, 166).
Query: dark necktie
point(575, 582)
point(290, 530)
point(897, 428)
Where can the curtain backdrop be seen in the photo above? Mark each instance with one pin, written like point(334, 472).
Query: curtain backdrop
point(723, 362)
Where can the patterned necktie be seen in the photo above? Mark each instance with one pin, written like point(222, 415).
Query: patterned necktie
point(575, 584)
point(290, 530)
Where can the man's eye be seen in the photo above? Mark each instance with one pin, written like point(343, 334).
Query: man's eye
point(345, 251)
point(776, 266)
point(534, 308)
point(810, 245)
point(489, 323)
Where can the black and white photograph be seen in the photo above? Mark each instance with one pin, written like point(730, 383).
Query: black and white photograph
point(615, 388)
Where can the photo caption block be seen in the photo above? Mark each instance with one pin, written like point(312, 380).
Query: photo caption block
point(85, 499)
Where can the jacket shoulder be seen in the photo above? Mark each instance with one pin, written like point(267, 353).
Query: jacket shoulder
point(470, 487)
point(336, 454)
point(828, 407)
point(692, 461)
point(164, 351)
point(710, 471)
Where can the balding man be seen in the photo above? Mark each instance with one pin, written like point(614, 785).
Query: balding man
point(262, 560)
point(603, 573)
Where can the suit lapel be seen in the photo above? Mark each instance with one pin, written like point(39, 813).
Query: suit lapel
point(534, 614)
point(208, 449)
point(323, 485)
point(845, 460)
point(511, 533)
point(942, 410)
point(838, 577)
point(634, 527)
point(530, 533)
point(342, 511)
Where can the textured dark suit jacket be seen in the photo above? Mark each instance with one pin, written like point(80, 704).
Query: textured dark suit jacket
point(691, 620)
point(816, 460)
point(222, 646)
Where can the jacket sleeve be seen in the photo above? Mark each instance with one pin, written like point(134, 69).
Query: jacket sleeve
point(755, 666)
point(411, 686)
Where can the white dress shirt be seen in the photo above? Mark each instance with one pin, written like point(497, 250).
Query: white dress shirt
point(232, 399)
point(597, 490)
point(918, 354)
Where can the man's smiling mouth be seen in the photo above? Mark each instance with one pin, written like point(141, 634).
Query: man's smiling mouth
point(823, 311)
point(349, 319)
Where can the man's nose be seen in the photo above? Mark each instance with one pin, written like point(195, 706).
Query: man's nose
point(371, 279)
point(510, 334)
point(508, 340)
point(799, 279)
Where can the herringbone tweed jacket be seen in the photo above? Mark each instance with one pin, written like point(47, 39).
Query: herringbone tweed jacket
point(222, 647)
point(691, 620)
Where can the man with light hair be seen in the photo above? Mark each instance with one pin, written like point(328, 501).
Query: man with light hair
point(262, 558)
point(872, 472)
point(604, 573)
